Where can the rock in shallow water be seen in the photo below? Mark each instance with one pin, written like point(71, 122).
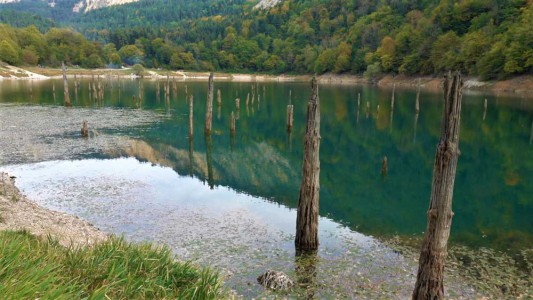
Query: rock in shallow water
point(276, 281)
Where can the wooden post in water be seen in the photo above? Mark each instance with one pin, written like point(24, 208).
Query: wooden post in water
point(219, 98)
point(232, 124)
point(209, 105)
point(290, 110)
point(367, 109)
point(237, 104)
point(65, 85)
point(429, 282)
point(417, 102)
point(85, 129)
point(54, 90)
point(485, 110)
point(307, 214)
point(247, 99)
point(384, 167)
point(191, 120)
point(392, 98)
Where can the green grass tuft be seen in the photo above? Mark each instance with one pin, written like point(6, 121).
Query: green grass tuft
point(31, 267)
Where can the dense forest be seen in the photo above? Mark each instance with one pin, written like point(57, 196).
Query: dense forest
point(490, 39)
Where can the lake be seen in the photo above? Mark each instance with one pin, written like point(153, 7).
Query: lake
point(229, 201)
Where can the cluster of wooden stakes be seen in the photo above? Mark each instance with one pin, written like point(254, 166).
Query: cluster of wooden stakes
point(429, 283)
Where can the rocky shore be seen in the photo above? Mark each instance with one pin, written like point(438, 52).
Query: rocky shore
point(20, 213)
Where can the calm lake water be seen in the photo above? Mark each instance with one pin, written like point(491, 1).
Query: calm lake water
point(140, 174)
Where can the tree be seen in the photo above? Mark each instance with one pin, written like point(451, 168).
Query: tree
point(131, 54)
point(8, 53)
point(344, 53)
point(430, 276)
point(30, 57)
point(326, 61)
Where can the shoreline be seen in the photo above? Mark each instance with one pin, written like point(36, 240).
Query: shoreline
point(17, 212)
point(520, 85)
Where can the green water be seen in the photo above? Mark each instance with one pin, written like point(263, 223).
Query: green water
point(493, 195)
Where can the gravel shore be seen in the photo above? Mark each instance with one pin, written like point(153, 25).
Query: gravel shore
point(20, 213)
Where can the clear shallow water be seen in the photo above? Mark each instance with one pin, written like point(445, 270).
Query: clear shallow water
point(255, 175)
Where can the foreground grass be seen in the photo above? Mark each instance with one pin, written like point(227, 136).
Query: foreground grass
point(31, 267)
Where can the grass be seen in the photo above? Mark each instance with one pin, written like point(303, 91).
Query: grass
point(32, 267)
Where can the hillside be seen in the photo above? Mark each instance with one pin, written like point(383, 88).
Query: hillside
point(491, 39)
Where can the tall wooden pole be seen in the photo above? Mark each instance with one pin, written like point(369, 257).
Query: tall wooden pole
point(429, 282)
point(307, 215)
point(417, 102)
point(290, 109)
point(191, 120)
point(65, 85)
point(209, 110)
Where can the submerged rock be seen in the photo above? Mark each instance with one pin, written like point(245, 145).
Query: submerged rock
point(276, 281)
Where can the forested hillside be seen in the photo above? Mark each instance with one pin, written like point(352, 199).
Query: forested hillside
point(490, 39)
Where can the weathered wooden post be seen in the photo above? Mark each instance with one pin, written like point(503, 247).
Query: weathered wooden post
point(417, 102)
point(54, 90)
point(65, 85)
point(237, 104)
point(384, 167)
point(429, 282)
point(308, 203)
point(209, 106)
point(290, 109)
point(191, 119)
point(392, 98)
point(247, 99)
point(232, 124)
point(485, 110)
point(85, 129)
point(219, 98)
point(367, 109)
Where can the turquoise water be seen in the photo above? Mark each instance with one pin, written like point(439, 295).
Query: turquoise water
point(493, 198)
point(140, 175)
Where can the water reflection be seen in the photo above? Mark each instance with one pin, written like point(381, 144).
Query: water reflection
point(270, 159)
point(306, 273)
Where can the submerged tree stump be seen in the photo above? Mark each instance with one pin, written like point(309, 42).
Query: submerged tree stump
point(290, 119)
point(65, 85)
point(191, 120)
point(417, 102)
point(232, 124)
point(308, 203)
point(429, 282)
point(209, 105)
point(85, 129)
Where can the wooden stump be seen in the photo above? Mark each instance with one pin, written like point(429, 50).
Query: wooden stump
point(209, 106)
point(232, 124)
point(191, 120)
point(384, 167)
point(308, 203)
point(290, 109)
point(85, 129)
point(429, 282)
point(417, 102)
point(65, 85)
